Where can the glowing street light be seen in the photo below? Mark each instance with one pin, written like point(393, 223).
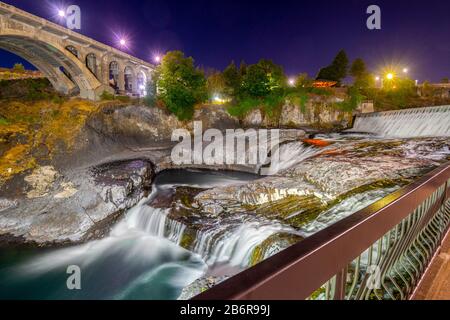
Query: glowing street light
point(157, 58)
point(291, 82)
point(123, 42)
point(390, 76)
point(377, 78)
point(61, 13)
point(405, 70)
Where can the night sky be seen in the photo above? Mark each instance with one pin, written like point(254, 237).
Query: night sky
point(300, 35)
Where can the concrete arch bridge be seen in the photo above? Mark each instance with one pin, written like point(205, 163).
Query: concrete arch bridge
point(74, 64)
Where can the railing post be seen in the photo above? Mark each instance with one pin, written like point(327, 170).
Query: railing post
point(340, 284)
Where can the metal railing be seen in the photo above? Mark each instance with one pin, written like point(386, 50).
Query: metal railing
point(380, 252)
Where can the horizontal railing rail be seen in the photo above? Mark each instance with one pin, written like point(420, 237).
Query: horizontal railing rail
point(398, 235)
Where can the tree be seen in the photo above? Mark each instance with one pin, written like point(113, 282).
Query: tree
point(445, 80)
point(338, 69)
point(216, 84)
point(358, 69)
point(303, 81)
point(263, 78)
point(180, 84)
point(242, 68)
point(232, 79)
point(361, 77)
point(19, 68)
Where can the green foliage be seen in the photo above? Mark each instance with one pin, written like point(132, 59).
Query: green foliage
point(180, 84)
point(36, 89)
point(3, 122)
point(361, 77)
point(124, 99)
point(358, 68)
point(397, 94)
point(258, 85)
point(272, 105)
point(18, 68)
point(106, 96)
point(263, 79)
point(303, 81)
point(243, 106)
point(338, 69)
point(355, 98)
point(232, 78)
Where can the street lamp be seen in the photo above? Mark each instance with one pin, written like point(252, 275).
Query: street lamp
point(61, 13)
point(390, 76)
point(405, 70)
point(291, 82)
point(157, 58)
point(123, 42)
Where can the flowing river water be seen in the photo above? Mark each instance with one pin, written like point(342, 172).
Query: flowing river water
point(152, 254)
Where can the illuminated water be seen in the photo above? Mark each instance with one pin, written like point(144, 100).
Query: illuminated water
point(142, 257)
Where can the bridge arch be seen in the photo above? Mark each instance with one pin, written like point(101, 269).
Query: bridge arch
point(129, 79)
point(141, 83)
point(60, 54)
point(114, 74)
point(72, 50)
point(91, 63)
point(51, 59)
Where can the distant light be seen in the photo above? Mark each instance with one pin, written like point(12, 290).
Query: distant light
point(219, 100)
point(123, 42)
point(377, 78)
point(157, 59)
point(291, 81)
point(405, 70)
point(390, 76)
point(61, 13)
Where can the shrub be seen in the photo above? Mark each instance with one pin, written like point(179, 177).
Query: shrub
point(106, 96)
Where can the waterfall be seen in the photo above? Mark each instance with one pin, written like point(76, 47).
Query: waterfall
point(291, 154)
point(233, 243)
point(408, 123)
point(226, 241)
point(154, 221)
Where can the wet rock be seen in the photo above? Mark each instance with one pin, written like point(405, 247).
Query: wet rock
point(40, 181)
point(272, 245)
point(7, 204)
point(78, 205)
point(200, 285)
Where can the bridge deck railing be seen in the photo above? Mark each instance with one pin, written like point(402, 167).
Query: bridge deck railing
point(380, 252)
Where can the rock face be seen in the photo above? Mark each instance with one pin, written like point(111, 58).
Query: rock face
point(298, 194)
point(253, 119)
point(292, 115)
point(73, 206)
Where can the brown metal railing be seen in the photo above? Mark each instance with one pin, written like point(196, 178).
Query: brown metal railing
point(380, 252)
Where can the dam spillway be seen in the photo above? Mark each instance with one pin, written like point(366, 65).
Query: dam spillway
point(407, 123)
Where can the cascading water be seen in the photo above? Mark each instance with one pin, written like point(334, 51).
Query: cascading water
point(292, 153)
point(154, 221)
point(234, 243)
point(143, 257)
point(420, 122)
